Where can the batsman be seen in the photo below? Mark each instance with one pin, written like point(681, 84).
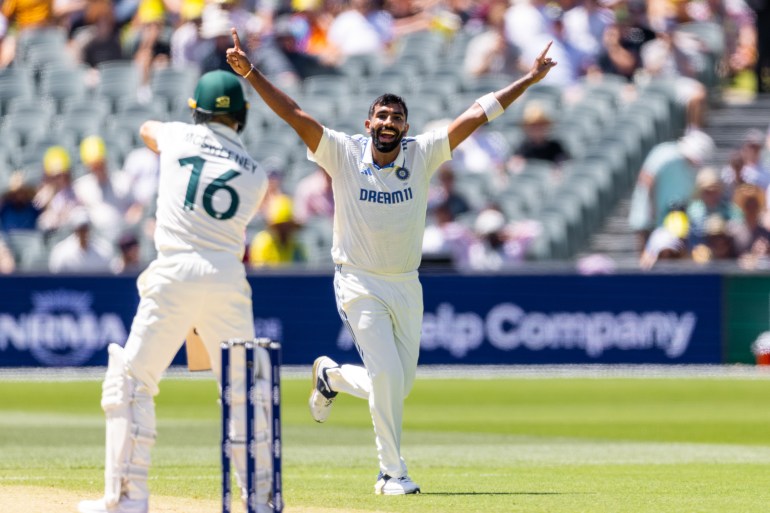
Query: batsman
point(209, 190)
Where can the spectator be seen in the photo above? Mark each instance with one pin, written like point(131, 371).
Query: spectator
point(215, 30)
point(754, 170)
point(538, 142)
point(271, 53)
point(23, 17)
point(277, 244)
point(674, 56)
point(662, 245)
point(490, 52)
point(274, 189)
point(282, 54)
point(7, 261)
point(186, 45)
point(446, 193)
point(710, 200)
point(446, 239)
point(740, 32)
point(129, 258)
point(148, 43)
point(499, 244)
point(622, 41)
point(584, 26)
point(80, 251)
point(730, 174)
point(103, 38)
point(526, 21)
point(313, 197)
point(359, 30)
point(572, 61)
point(485, 151)
point(56, 198)
point(242, 18)
point(717, 242)
point(752, 236)
point(18, 211)
point(98, 191)
point(667, 178)
point(139, 182)
point(310, 28)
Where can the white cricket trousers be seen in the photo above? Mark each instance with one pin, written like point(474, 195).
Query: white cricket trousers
point(384, 316)
point(180, 292)
point(188, 290)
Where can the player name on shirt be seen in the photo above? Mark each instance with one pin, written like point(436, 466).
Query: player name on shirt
point(209, 146)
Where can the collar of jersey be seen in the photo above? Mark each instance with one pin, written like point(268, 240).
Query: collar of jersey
point(368, 157)
point(224, 131)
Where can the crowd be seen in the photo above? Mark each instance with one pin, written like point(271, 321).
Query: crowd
point(94, 212)
point(685, 210)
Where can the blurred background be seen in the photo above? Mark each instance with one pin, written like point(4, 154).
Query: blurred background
point(615, 213)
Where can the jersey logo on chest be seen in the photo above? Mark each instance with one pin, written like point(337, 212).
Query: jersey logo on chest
point(386, 198)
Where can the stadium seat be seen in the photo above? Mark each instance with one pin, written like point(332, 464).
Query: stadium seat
point(118, 80)
point(170, 85)
point(335, 86)
point(20, 130)
point(46, 37)
point(388, 82)
point(316, 238)
point(439, 87)
point(568, 208)
point(29, 249)
point(475, 188)
point(321, 106)
point(486, 83)
point(62, 85)
point(15, 83)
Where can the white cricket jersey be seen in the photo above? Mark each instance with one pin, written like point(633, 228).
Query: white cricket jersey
point(380, 213)
point(208, 191)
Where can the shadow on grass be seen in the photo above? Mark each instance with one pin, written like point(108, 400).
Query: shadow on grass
point(500, 493)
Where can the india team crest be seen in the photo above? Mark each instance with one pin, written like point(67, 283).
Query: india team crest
point(402, 173)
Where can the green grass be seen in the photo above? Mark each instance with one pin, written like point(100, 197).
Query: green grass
point(488, 445)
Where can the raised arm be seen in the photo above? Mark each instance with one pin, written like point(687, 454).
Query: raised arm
point(307, 127)
point(149, 134)
point(491, 105)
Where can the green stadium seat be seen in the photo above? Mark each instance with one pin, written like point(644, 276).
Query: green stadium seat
point(29, 249)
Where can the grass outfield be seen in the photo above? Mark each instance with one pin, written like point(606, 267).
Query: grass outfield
point(564, 445)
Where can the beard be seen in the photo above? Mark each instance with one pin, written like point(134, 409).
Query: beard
point(386, 147)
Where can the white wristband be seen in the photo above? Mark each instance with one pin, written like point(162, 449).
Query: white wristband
point(249, 73)
point(491, 106)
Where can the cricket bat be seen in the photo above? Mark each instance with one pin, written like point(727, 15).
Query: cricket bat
point(197, 356)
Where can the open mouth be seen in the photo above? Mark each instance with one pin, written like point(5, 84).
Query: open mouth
point(386, 135)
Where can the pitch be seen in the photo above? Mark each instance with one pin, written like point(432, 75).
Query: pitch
point(555, 444)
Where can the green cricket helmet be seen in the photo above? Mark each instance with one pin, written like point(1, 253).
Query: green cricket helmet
point(218, 92)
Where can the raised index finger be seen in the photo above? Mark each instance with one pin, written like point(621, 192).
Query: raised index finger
point(236, 39)
point(545, 50)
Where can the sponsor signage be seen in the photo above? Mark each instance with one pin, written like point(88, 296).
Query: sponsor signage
point(572, 319)
point(65, 321)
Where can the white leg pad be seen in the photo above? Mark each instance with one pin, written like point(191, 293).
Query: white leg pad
point(130, 412)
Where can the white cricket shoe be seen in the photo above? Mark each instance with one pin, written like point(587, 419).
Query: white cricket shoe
point(322, 395)
point(387, 485)
point(124, 506)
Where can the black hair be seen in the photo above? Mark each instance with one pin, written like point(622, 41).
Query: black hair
point(238, 117)
point(388, 99)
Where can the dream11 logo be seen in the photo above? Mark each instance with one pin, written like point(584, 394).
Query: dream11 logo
point(61, 329)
